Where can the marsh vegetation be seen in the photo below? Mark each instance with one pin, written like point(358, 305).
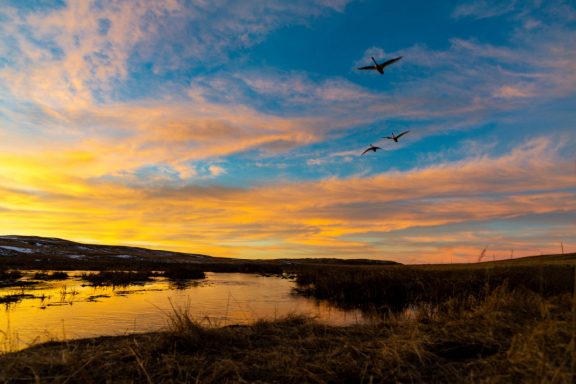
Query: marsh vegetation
point(438, 288)
point(477, 323)
point(56, 275)
point(508, 336)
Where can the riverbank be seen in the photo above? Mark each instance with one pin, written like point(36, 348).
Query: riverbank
point(511, 336)
point(495, 322)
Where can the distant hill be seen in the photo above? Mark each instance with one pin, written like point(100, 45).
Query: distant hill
point(334, 261)
point(48, 249)
point(560, 258)
point(44, 252)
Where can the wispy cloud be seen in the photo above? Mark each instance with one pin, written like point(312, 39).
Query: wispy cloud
point(216, 170)
point(119, 119)
point(66, 64)
point(327, 217)
point(481, 9)
point(77, 53)
point(67, 72)
point(530, 14)
point(511, 91)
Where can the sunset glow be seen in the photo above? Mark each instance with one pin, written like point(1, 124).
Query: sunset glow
point(235, 128)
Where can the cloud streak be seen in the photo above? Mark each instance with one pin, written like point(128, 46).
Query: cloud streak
point(327, 217)
point(149, 123)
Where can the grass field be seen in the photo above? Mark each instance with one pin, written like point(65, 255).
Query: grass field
point(396, 288)
point(510, 337)
point(496, 322)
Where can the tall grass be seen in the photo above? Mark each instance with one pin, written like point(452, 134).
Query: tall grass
point(184, 273)
point(511, 336)
point(394, 289)
point(56, 275)
point(489, 325)
point(9, 275)
point(12, 278)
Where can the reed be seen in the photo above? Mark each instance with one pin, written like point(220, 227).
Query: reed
point(10, 275)
point(482, 323)
point(57, 275)
point(508, 336)
point(184, 273)
point(394, 289)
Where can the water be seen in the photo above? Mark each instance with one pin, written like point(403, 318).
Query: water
point(64, 310)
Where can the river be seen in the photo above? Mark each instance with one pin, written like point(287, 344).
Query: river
point(70, 309)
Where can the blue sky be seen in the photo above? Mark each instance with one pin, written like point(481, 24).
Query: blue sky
point(236, 128)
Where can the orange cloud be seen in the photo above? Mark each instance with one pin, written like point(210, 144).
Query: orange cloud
point(70, 151)
point(512, 91)
point(332, 217)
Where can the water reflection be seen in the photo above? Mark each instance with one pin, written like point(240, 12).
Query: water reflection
point(68, 309)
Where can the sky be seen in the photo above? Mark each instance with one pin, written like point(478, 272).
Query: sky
point(235, 128)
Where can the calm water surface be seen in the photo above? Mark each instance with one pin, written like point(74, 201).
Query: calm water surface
point(65, 309)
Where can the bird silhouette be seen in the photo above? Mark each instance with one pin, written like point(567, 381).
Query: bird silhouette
point(380, 67)
point(372, 148)
point(394, 137)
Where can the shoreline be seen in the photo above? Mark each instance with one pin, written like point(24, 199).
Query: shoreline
point(513, 336)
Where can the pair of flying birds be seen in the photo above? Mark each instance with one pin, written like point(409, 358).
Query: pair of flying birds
point(380, 68)
point(393, 137)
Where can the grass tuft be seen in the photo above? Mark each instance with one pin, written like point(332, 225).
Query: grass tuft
point(432, 324)
point(52, 276)
point(184, 273)
point(509, 336)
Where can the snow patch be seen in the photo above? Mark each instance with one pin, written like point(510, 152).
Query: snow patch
point(123, 256)
point(17, 249)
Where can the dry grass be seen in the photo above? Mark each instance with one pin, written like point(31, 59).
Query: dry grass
point(510, 336)
point(9, 277)
point(56, 275)
point(396, 288)
point(184, 273)
point(483, 324)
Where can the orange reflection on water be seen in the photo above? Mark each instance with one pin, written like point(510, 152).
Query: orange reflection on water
point(67, 310)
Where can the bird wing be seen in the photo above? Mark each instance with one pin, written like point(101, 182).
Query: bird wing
point(391, 61)
point(369, 149)
point(388, 137)
point(368, 67)
point(402, 134)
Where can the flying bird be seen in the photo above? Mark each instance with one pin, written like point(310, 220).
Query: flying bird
point(394, 137)
point(380, 67)
point(372, 148)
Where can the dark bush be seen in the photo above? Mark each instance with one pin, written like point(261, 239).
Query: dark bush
point(52, 276)
point(10, 275)
point(184, 273)
point(117, 278)
point(247, 267)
